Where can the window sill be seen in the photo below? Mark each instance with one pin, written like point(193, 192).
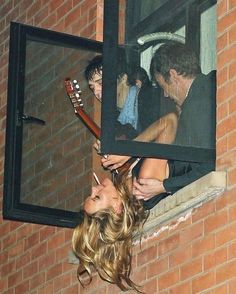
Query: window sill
point(191, 196)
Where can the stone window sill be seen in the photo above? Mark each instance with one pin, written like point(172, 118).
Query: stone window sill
point(191, 196)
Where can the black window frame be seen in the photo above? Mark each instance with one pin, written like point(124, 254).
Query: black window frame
point(179, 10)
point(13, 209)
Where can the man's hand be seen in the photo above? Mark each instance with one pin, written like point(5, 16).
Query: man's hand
point(114, 161)
point(147, 188)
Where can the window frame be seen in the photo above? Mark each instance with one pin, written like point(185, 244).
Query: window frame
point(170, 10)
point(13, 209)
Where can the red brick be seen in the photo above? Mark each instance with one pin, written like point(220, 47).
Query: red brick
point(54, 271)
point(8, 268)
point(225, 235)
point(150, 286)
point(223, 289)
point(64, 9)
point(41, 15)
point(30, 269)
point(62, 282)
point(226, 272)
point(16, 249)
point(22, 288)
point(183, 289)
point(203, 245)
point(191, 233)
point(226, 21)
point(74, 290)
point(46, 288)
point(231, 180)
point(180, 256)
point(47, 260)
point(139, 274)
point(222, 42)
point(73, 16)
point(23, 231)
point(62, 252)
point(222, 147)
point(56, 241)
point(215, 221)
point(169, 279)
point(38, 250)
point(46, 232)
point(232, 286)
point(203, 282)
point(15, 278)
point(169, 244)
point(157, 267)
point(22, 260)
point(53, 5)
point(147, 255)
point(37, 280)
point(190, 269)
point(202, 212)
point(215, 258)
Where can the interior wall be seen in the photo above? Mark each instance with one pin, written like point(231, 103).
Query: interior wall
point(192, 254)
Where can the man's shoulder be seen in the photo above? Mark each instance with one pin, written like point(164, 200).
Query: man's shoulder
point(207, 78)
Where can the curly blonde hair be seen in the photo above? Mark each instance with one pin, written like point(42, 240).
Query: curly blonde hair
point(104, 240)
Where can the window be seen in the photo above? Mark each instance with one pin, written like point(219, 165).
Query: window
point(133, 31)
point(48, 160)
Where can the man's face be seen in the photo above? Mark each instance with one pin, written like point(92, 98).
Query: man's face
point(170, 88)
point(95, 84)
point(103, 196)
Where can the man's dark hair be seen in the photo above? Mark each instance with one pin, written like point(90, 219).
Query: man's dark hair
point(173, 55)
point(94, 66)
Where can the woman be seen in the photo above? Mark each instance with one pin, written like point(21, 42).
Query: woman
point(112, 214)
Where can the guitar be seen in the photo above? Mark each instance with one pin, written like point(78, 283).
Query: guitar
point(73, 91)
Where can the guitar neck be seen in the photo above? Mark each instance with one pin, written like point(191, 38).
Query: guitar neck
point(92, 126)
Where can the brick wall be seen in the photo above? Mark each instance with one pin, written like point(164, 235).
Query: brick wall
point(192, 254)
point(33, 258)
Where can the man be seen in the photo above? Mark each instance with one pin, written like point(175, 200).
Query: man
point(177, 71)
point(93, 75)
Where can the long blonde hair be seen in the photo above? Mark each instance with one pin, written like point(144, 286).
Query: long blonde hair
point(104, 239)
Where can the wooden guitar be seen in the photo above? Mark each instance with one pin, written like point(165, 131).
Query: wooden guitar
point(73, 91)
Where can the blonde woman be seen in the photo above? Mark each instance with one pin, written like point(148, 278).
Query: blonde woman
point(112, 214)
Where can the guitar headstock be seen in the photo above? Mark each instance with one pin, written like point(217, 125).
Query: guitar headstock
point(73, 91)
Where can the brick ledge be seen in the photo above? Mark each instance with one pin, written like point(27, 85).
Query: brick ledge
point(198, 192)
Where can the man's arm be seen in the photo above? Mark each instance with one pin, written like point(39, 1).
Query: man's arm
point(148, 188)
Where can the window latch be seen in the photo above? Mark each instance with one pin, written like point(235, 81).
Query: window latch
point(33, 120)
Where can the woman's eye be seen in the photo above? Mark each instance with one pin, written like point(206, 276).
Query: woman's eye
point(97, 197)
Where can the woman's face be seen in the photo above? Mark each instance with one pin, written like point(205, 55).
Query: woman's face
point(103, 196)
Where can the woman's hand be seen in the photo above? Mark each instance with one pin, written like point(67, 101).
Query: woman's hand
point(114, 161)
point(111, 162)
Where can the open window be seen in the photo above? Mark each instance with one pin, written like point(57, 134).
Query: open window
point(48, 159)
point(132, 33)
